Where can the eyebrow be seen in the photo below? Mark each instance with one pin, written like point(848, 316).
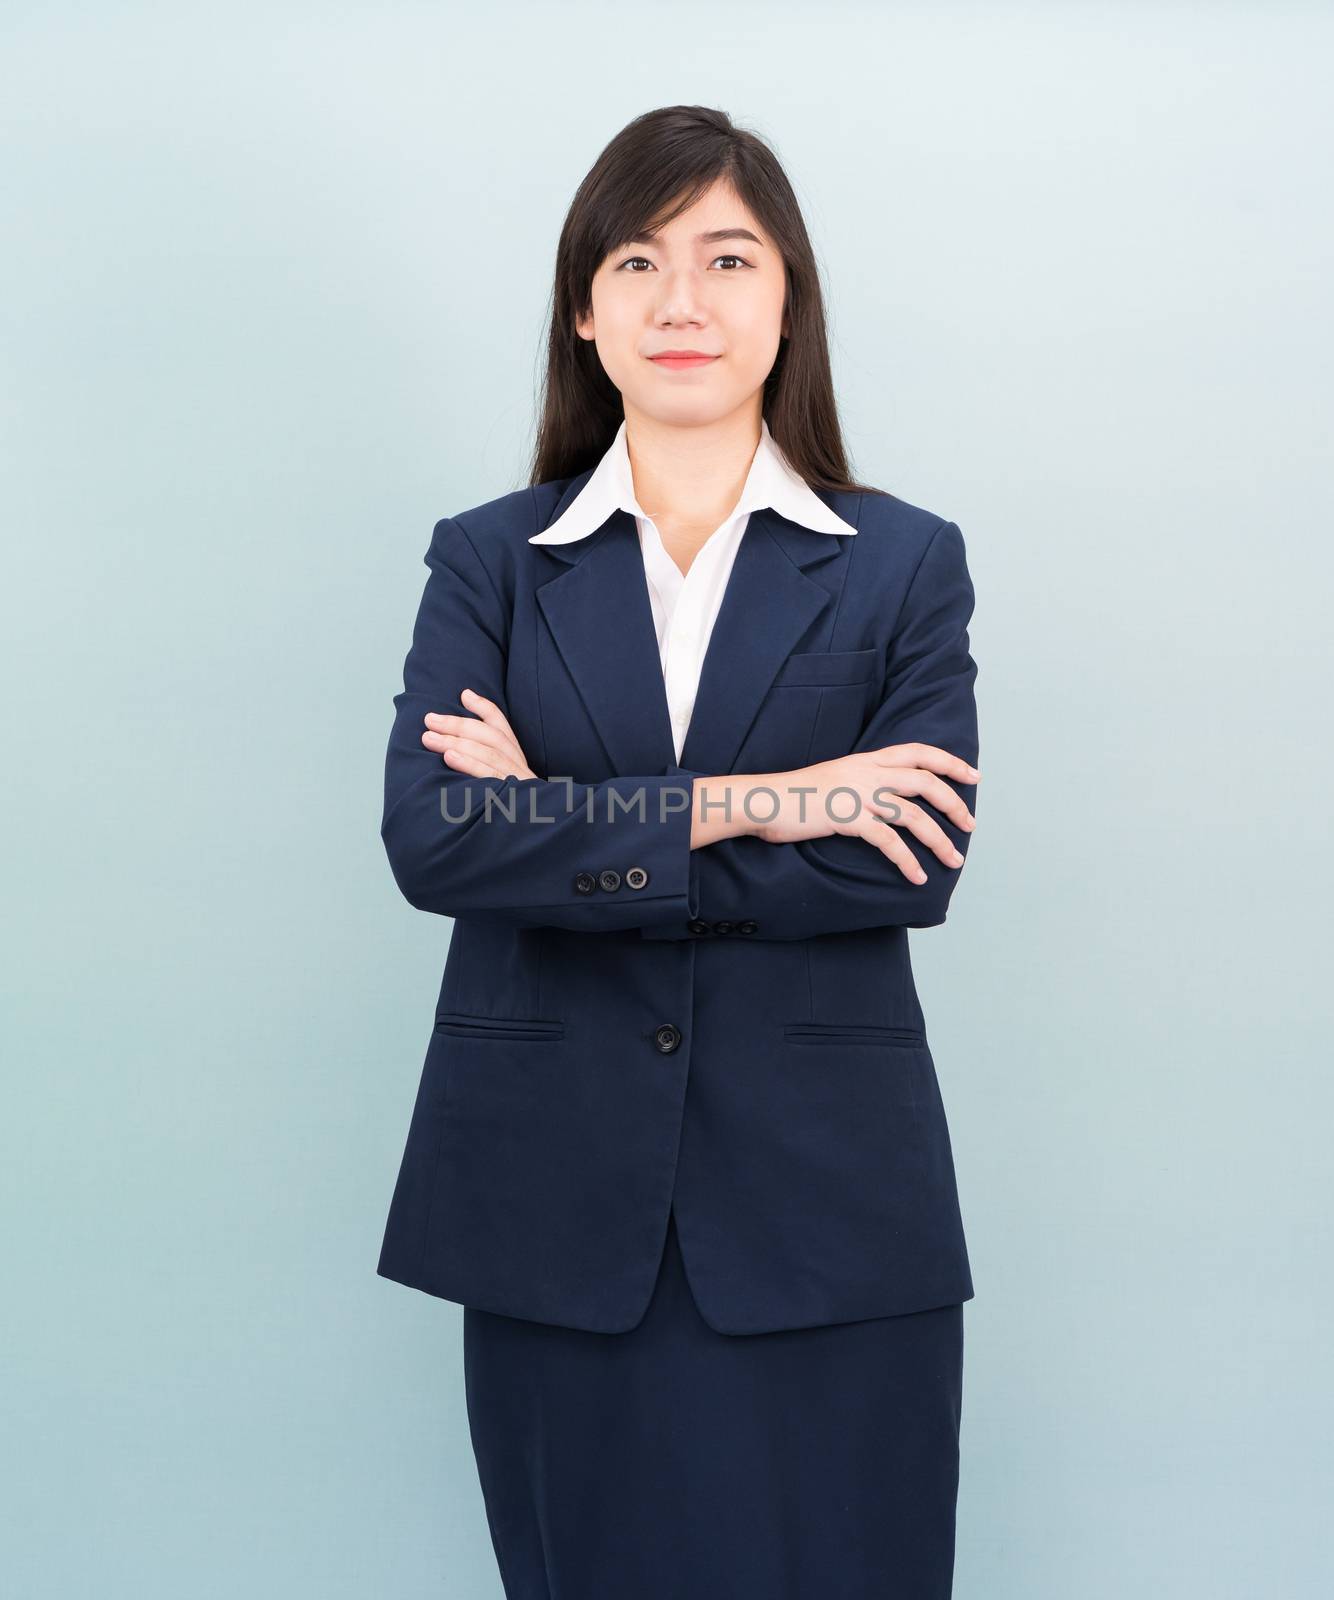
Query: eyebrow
point(714, 236)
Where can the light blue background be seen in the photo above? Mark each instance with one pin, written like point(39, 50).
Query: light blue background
point(272, 288)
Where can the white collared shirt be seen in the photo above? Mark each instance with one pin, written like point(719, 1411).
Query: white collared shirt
point(685, 605)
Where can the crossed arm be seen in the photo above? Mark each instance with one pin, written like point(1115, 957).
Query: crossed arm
point(871, 839)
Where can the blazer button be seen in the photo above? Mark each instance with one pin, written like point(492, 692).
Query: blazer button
point(636, 877)
point(696, 926)
point(746, 927)
point(585, 882)
point(609, 878)
point(667, 1038)
point(722, 927)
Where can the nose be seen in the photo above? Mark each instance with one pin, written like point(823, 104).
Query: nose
point(680, 300)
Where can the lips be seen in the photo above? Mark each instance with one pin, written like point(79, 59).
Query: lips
point(682, 360)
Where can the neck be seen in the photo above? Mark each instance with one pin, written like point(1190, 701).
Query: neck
point(689, 478)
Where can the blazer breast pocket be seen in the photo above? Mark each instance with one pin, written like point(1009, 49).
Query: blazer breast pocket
point(827, 669)
point(814, 711)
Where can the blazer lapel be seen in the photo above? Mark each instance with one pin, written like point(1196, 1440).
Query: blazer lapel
point(600, 616)
point(768, 606)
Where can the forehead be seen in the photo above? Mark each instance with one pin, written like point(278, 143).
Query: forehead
point(718, 216)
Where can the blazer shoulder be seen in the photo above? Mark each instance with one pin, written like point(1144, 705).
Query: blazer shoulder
point(511, 519)
point(894, 529)
point(495, 533)
point(511, 516)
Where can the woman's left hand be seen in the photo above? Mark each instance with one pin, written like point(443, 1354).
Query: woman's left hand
point(483, 746)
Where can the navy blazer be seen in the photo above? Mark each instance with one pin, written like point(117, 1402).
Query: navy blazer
point(625, 1024)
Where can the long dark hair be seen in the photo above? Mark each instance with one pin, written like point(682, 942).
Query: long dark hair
point(655, 168)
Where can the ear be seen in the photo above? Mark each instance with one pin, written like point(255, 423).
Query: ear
point(583, 326)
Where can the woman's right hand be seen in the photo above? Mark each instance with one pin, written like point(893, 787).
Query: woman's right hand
point(868, 795)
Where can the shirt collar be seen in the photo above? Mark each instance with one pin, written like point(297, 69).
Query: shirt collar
point(771, 482)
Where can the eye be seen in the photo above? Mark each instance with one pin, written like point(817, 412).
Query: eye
point(633, 262)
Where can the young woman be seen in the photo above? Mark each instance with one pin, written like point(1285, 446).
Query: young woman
point(684, 747)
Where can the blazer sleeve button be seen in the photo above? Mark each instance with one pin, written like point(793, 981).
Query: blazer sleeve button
point(722, 927)
point(697, 926)
point(636, 877)
point(585, 882)
point(746, 927)
point(609, 878)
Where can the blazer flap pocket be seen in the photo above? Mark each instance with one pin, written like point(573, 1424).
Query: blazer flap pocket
point(828, 669)
point(852, 1033)
point(468, 1025)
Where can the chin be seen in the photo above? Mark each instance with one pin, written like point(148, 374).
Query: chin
point(697, 410)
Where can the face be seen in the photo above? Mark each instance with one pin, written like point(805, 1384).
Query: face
point(711, 281)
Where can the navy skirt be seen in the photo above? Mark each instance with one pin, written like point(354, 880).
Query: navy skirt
point(672, 1462)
